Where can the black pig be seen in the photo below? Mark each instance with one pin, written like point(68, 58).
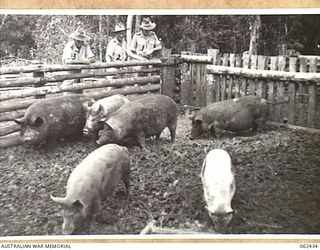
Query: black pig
point(54, 118)
point(237, 115)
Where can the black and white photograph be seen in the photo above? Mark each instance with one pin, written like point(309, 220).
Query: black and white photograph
point(137, 123)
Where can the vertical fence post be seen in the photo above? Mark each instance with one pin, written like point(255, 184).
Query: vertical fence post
point(76, 71)
point(232, 62)
point(272, 89)
point(262, 86)
point(292, 92)
point(312, 89)
point(245, 64)
point(168, 84)
point(186, 87)
point(252, 82)
point(302, 95)
point(223, 89)
point(237, 82)
point(280, 109)
point(39, 74)
point(210, 78)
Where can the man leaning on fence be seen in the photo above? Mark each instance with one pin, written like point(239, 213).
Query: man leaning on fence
point(77, 51)
point(145, 43)
point(117, 47)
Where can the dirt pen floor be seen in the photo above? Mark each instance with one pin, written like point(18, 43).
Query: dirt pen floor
point(277, 185)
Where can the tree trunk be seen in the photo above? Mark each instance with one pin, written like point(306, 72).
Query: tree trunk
point(129, 28)
point(255, 27)
point(137, 24)
point(100, 39)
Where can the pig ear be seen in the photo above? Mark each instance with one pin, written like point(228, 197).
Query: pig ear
point(77, 205)
point(229, 210)
point(106, 125)
point(104, 119)
point(20, 121)
point(38, 121)
point(100, 108)
point(59, 200)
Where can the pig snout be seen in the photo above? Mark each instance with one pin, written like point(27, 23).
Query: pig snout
point(221, 222)
point(85, 131)
point(67, 228)
point(27, 139)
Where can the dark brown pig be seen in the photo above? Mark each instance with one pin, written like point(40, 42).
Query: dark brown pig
point(94, 179)
point(54, 118)
point(139, 119)
point(99, 112)
point(237, 115)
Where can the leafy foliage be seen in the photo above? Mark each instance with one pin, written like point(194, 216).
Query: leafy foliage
point(42, 37)
point(16, 35)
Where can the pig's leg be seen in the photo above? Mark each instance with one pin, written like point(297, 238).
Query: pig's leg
point(213, 128)
point(258, 123)
point(158, 136)
point(172, 128)
point(141, 140)
point(126, 178)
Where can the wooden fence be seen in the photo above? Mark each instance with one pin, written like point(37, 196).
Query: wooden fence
point(290, 84)
point(35, 82)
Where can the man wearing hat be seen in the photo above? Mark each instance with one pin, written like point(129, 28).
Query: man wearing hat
point(78, 50)
point(145, 43)
point(116, 48)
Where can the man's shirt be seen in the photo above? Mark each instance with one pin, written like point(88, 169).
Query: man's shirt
point(143, 43)
point(116, 50)
point(71, 52)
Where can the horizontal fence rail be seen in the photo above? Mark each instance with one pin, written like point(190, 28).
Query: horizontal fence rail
point(264, 74)
point(59, 78)
point(21, 87)
point(79, 86)
point(70, 67)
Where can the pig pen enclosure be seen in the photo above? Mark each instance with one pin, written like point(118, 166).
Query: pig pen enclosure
point(277, 173)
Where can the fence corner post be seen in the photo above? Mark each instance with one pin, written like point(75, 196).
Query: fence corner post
point(38, 74)
point(80, 80)
point(168, 83)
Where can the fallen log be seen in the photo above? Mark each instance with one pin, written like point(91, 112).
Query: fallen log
point(78, 86)
point(152, 229)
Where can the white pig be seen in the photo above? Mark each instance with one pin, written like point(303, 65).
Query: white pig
point(100, 111)
point(218, 181)
point(92, 180)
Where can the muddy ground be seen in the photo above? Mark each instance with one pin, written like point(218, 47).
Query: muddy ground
point(277, 185)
